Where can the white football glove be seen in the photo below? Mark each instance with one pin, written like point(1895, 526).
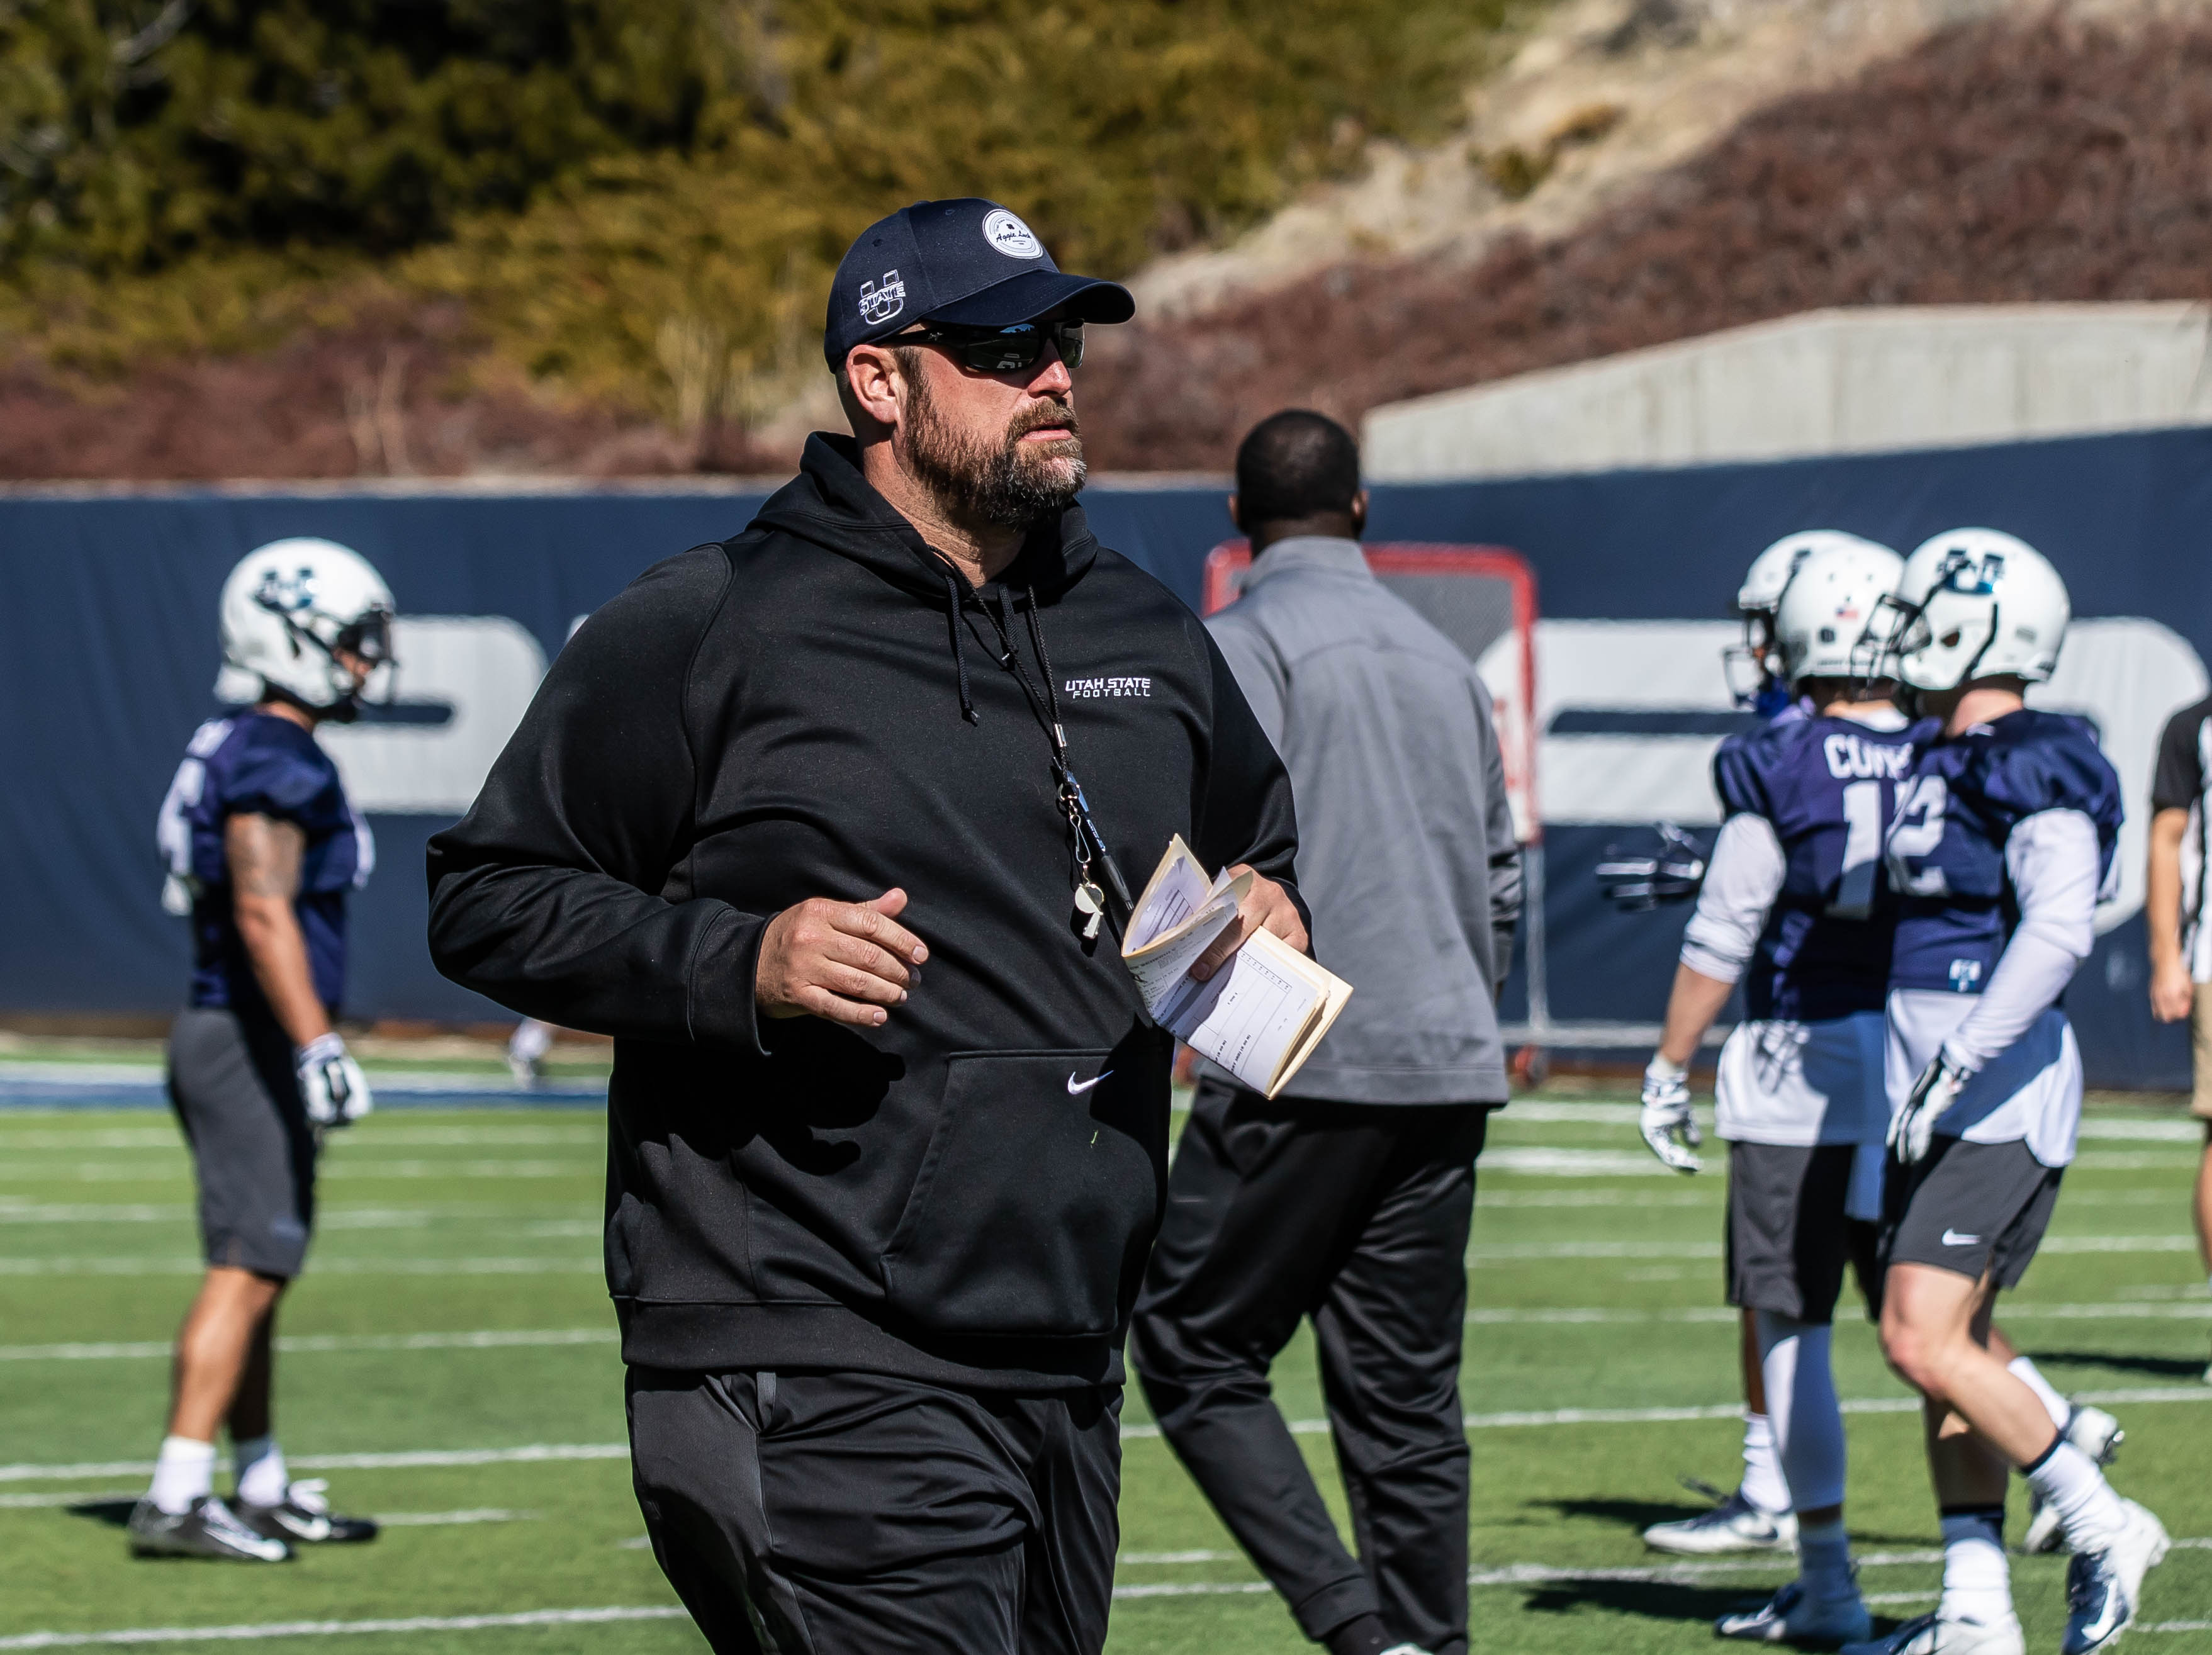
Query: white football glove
point(332, 1084)
point(1667, 1123)
point(1914, 1128)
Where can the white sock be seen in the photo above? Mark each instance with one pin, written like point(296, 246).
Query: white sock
point(2088, 1510)
point(1824, 1560)
point(1976, 1579)
point(2055, 1405)
point(184, 1471)
point(262, 1478)
point(1806, 1423)
point(1763, 1484)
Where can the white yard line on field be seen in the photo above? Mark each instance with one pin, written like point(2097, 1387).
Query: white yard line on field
point(542, 1617)
point(167, 1172)
point(2195, 1308)
point(1160, 1559)
point(13, 1209)
point(534, 1454)
point(1545, 1160)
point(2175, 1131)
point(389, 1519)
point(316, 1343)
point(1545, 1574)
point(2196, 1393)
point(610, 1450)
point(185, 1265)
point(1504, 1252)
point(569, 1617)
point(370, 1137)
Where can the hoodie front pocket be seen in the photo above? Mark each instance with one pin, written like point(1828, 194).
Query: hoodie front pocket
point(1039, 1195)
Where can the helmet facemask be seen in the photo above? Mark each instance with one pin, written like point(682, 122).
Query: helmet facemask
point(367, 638)
point(1752, 669)
point(1938, 643)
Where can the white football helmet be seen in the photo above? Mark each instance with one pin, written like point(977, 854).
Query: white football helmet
point(288, 609)
point(1824, 626)
point(1976, 603)
point(1753, 664)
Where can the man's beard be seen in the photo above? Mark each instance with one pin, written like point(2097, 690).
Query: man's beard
point(1012, 484)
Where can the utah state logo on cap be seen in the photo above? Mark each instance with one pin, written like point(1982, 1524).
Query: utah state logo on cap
point(882, 300)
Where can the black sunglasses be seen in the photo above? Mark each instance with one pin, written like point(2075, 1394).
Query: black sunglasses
point(1000, 349)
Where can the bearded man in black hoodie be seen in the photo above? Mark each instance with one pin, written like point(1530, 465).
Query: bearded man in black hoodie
point(796, 818)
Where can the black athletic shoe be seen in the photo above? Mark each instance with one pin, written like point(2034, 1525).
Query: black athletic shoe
point(305, 1519)
point(207, 1528)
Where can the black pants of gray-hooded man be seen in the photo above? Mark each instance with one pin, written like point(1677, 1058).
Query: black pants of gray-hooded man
point(1348, 1200)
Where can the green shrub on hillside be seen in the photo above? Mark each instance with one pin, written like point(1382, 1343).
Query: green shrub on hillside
point(640, 199)
point(142, 133)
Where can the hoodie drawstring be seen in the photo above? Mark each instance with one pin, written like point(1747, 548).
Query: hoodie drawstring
point(952, 604)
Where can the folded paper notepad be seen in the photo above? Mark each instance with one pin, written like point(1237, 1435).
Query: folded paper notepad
point(1261, 1014)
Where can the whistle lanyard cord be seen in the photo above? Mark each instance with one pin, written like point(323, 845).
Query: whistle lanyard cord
point(1046, 710)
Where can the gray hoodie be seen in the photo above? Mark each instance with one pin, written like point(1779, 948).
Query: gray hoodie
point(1406, 847)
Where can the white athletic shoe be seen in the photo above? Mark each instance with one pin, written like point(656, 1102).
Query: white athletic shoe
point(1948, 1634)
point(1735, 1524)
point(1793, 1616)
point(207, 1528)
point(2097, 1434)
point(2102, 1589)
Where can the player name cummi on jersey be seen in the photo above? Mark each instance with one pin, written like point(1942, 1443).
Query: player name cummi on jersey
point(1850, 755)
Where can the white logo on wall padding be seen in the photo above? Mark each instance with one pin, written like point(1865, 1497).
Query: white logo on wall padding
point(1010, 236)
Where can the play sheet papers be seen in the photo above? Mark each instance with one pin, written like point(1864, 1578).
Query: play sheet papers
point(1260, 1015)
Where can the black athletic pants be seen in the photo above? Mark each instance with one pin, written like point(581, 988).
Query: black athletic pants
point(1356, 1215)
point(860, 1514)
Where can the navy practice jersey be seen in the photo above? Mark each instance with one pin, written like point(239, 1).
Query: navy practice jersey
point(260, 765)
point(1827, 786)
point(1947, 844)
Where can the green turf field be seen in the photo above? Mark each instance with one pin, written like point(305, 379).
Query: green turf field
point(454, 1314)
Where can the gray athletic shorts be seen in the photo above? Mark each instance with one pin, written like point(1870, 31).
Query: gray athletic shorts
point(1969, 1209)
point(1788, 1240)
point(231, 1084)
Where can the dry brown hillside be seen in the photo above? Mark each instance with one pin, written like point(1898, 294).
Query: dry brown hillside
point(1641, 170)
point(2060, 160)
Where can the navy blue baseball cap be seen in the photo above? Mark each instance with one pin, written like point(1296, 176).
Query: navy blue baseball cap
point(969, 262)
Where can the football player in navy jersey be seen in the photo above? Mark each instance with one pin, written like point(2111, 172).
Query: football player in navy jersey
point(1757, 1515)
point(2000, 843)
point(261, 847)
point(1794, 907)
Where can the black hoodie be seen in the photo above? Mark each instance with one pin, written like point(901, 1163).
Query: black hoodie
point(966, 1194)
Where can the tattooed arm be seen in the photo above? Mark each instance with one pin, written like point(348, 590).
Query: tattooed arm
point(263, 855)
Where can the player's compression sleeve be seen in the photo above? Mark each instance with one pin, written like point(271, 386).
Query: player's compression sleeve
point(1743, 880)
point(559, 894)
point(2053, 859)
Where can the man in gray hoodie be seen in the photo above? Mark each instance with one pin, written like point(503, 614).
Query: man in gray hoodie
point(1349, 1198)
